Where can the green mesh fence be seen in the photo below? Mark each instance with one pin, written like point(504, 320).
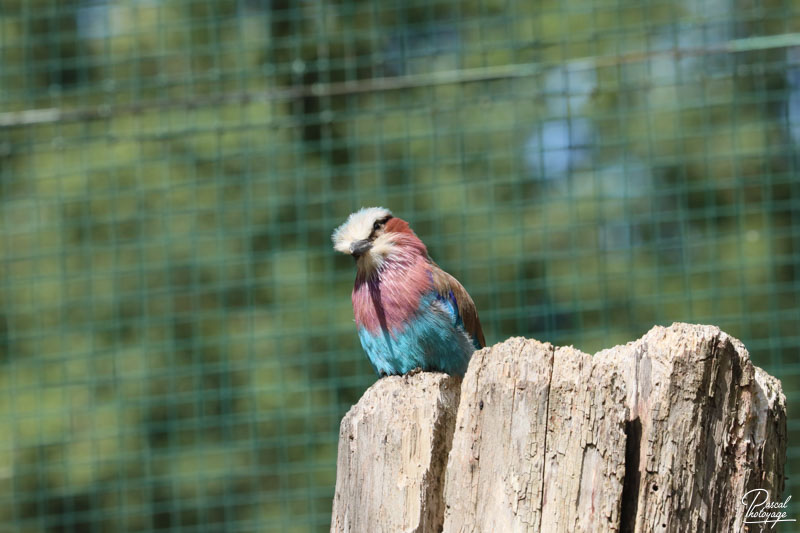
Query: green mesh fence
point(176, 336)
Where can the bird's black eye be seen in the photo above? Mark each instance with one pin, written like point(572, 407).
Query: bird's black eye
point(376, 226)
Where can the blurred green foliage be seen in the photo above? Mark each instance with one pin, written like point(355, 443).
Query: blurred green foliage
point(176, 340)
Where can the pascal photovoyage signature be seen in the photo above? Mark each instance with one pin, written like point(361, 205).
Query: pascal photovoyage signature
point(760, 510)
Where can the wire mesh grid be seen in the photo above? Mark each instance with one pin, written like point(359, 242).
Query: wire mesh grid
point(176, 337)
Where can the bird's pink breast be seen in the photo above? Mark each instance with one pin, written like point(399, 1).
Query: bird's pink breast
point(389, 299)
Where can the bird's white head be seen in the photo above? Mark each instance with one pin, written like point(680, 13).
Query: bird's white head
point(359, 232)
point(359, 226)
point(372, 234)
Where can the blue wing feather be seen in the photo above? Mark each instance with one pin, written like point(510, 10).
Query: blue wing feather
point(458, 303)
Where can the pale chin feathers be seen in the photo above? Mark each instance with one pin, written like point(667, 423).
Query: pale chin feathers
point(382, 248)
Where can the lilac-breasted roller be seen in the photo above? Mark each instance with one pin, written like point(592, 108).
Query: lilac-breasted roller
point(409, 312)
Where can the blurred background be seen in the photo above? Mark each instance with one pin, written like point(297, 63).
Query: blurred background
point(176, 337)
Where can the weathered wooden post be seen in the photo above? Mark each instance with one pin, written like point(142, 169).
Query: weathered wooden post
point(663, 434)
point(393, 447)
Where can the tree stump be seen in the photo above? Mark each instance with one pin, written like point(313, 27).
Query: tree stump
point(666, 433)
point(393, 447)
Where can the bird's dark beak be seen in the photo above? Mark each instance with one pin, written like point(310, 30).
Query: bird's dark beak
point(359, 248)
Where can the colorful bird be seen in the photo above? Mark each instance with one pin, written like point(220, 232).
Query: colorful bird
point(409, 312)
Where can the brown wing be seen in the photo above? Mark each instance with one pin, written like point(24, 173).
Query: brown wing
point(446, 285)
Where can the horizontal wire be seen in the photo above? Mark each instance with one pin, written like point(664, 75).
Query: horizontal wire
point(499, 72)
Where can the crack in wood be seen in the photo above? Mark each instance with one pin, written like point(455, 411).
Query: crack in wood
point(633, 475)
